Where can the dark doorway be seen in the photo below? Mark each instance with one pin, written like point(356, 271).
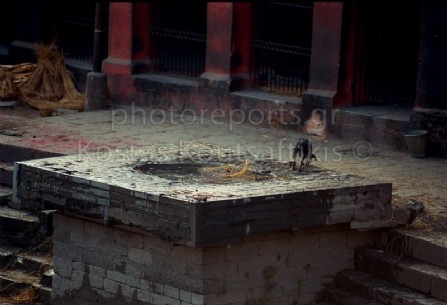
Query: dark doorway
point(386, 57)
point(180, 36)
point(281, 46)
point(75, 30)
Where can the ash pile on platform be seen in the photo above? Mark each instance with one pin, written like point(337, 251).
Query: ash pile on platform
point(219, 172)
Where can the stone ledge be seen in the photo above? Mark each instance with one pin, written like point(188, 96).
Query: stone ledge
point(147, 80)
point(382, 126)
point(270, 97)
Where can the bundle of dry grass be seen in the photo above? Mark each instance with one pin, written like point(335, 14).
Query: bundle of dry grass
point(51, 85)
point(230, 171)
point(11, 76)
point(7, 90)
point(243, 173)
point(27, 296)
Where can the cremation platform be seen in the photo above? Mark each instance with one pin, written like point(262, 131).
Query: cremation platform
point(201, 195)
point(197, 225)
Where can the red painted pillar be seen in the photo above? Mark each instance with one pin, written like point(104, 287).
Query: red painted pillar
point(326, 42)
point(345, 95)
point(219, 44)
point(129, 39)
point(228, 42)
point(241, 50)
point(325, 55)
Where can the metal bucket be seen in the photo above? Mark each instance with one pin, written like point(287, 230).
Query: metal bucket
point(417, 142)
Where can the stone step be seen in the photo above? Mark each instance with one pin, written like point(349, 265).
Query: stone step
point(33, 262)
point(424, 277)
point(382, 128)
point(326, 303)
point(44, 293)
point(381, 291)
point(24, 270)
point(344, 297)
point(46, 229)
point(11, 153)
point(12, 281)
point(7, 254)
point(12, 217)
point(47, 278)
point(6, 173)
point(427, 246)
point(38, 262)
point(5, 194)
point(19, 228)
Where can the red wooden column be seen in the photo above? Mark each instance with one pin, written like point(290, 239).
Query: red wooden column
point(129, 39)
point(325, 55)
point(218, 46)
point(350, 79)
point(228, 43)
point(242, 34)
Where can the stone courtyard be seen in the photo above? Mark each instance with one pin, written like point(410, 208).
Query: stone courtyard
point(147, 214)
point(131, 127)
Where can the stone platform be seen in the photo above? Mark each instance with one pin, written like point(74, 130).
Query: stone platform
point(202, 225)
point(187, 196)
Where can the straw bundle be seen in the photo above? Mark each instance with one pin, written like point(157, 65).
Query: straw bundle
point(51, 85)
point(233, 173)
point(230, 171)
point(7, 90)
point(11, 76)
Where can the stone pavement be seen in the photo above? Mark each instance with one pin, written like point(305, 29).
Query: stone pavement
point(129, 127)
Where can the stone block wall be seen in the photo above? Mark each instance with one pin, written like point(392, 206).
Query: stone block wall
point(378, 130)
point(435, 122)
point(208, 98)
point(98, 265)
point(94, 264)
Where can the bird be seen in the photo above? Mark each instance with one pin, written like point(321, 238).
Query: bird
point(303, 149)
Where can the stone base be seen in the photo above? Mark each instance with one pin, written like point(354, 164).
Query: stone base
point(95, 264)
point(96, 91)
point(435, 121)
point(380, 126)
point(144, 230)
point(320, 101)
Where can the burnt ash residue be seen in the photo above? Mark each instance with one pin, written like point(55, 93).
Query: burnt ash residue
point(220, 173)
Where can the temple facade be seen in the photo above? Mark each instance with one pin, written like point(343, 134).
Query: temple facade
point(279, 57)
